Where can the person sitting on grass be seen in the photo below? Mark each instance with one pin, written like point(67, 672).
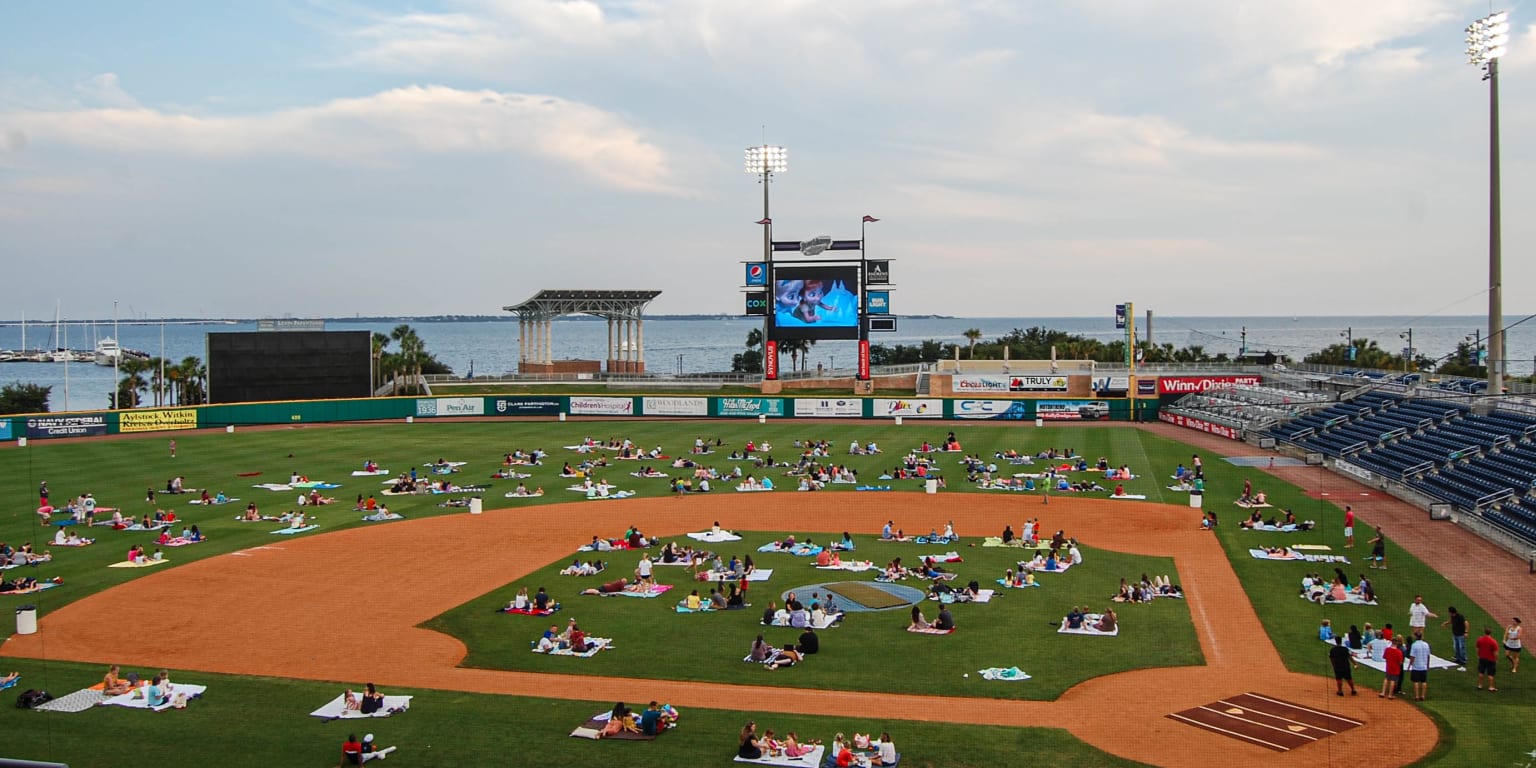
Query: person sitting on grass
point(372, 702)
point(761, 651)
point(1107, 622)
point(112, 685)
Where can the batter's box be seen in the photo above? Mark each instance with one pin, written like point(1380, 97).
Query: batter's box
point(1270, 723)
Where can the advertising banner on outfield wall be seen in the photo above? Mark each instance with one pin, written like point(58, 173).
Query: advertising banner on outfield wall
point(522, 406)
point(749, 406)
point(674, 406)
point(45, 427)
point(157, 421)
point(1184, 385)
point(1190, 422)
point(5, 429)
point(1009, 410)
point(913, 409)
point(1037, 383)
point(451, 406)
point(602, 406)
point(980, 383)
point(806, 406)
point(1064, 410)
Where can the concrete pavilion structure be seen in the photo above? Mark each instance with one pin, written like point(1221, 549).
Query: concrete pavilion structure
point(626, 329)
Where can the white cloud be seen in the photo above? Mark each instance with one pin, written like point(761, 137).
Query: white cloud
point(416, 119)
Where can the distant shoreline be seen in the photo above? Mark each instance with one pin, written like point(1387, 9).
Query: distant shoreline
point(510, 318)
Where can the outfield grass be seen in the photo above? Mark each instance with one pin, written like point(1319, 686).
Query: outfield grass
point(1482, 730)
point(871, 652)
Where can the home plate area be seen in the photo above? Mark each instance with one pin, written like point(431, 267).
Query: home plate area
point(1270, 723)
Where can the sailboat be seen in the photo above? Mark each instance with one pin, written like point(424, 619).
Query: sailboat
point(59, 353)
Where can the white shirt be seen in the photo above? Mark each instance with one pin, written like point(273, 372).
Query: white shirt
point(887, 752)
point(1417, 614)
point(645, 568)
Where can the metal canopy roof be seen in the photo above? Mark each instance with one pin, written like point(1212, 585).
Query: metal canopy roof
point(555, 302)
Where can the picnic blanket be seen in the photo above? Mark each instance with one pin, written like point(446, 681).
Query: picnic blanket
point(653, 592)
point(382, 516)
point(827, 621)
point(1138, 496)
point(594, 496)
point(336, 709)
point(446, 464)
point(872, 488)
point(530, 611)
point(512, 475)
point(1292, 528)
point(516, 495)
point(316, 485)
point(1180, 489)
point(646, 475)
point(182, 541)
point(982, 596)
point(704, 607)
point(1087, 629)
point(1000, 673)
point(853, 566)
point(947, 557)
point(1251, 505)
point(997, 541)
point(79, 701)
point(1364, 658)
point(751, 488)
point(934, 540)
point(142, 527)
point(41, 585)
point(214, 502)
point(594, 644)
point(930, 631)
point(1354, 599)
point(1262, 554)
point(131, 564)
point(713, 537)
point(136, 700)
point(593, 729)
point(290, 530)
point(1061, 566)
point(274, 487)
point(814, 757)
point(1007, 585)
point(757, 574)
point(367, 473)
point(799, 550)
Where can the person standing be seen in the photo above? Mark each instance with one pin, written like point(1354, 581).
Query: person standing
point(1487, 659)
point(42, 493)
point(1349, 526)
point(1513, 644)
point(1418, 615)
point(1458, 624)
point(1393, 658)
point(1343, 665)
point(173, 447)
point(1379, 550)
point(1418, 665)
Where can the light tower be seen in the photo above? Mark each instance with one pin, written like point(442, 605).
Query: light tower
point(1487, 42)
point(765, 161)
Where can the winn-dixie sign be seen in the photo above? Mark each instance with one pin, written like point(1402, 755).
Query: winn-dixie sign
point(1221, 430)
point(1185, 385)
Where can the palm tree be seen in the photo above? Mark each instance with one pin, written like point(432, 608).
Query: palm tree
point(133, 383)
point(192, 376)
point(972, 335)
point(411, 351)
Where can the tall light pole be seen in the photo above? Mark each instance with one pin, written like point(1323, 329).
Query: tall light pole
point(1349, 343)
point(1409, 363)
point(117, 371)
point(764, 161)
point(1487, 41)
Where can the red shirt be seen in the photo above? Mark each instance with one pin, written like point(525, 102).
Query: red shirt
point(1349, 519)
point(1393, 656)
point(1487, 648)
point(352, 751)
point(1386, 634)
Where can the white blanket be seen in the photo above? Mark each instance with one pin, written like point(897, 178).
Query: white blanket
point(374, 473)
point(516, 495)
point(827, 621)
point(852, 566)
point(757, 574)
point(1261, 554)
point(812, 758)
point(1363, 657)
point(290, 530)
point(134, 699)
point(336, 708)
point(274, 486)
point(1129, 496)
point(1087, 628)
point(594, 644)
point(1353, 600)
point(714, 538)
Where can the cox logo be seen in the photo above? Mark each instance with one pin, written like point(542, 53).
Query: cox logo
point(757, 303)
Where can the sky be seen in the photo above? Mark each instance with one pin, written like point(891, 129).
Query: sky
point(268, 158)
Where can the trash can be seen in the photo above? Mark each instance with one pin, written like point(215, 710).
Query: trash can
point(476, 505)
point(26, 620)
point(931, 486)
point(1039, 422)
point(1196, 499)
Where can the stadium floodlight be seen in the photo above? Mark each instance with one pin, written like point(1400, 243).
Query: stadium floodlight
point(767, 159)
point(1487, 42)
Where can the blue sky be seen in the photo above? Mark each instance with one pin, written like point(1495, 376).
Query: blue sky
point(323, 157)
